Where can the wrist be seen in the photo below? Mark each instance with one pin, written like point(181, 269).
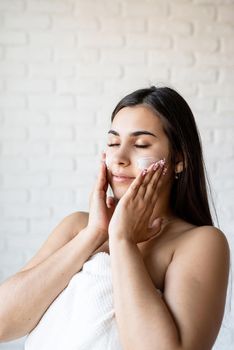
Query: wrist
point(119, 237)
point(119, 244)
point(87, 241)
point(97, 236)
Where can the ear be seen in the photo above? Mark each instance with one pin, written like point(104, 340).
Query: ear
point(180, 164)
point(179, 167)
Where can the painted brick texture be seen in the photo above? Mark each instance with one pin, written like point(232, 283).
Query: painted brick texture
point(64, 64)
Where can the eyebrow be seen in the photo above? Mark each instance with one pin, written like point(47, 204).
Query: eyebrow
point(135, 133)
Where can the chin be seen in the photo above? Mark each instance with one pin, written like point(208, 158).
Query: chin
point(119, 191)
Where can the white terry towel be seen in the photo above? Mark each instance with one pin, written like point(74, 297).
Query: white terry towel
point(82, 317)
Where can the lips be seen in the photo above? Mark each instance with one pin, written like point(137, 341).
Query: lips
point(122, 178)
point(120, 175)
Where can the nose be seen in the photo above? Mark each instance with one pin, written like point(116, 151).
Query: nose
point(119, 157)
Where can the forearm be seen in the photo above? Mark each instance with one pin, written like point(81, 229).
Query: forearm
point(143, 318)
point(25, 296)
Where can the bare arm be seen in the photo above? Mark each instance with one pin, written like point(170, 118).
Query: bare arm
point(25, 296)
point(190, 313)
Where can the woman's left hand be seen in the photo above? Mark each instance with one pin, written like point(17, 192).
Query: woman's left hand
point(134, 211)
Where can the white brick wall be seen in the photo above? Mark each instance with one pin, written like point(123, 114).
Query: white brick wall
point(64, 64)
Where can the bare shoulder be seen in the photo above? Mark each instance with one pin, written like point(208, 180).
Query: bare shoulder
point(64, 232)
point(207, 243)
point(70, 225)
point(209, 236)
point(196, 284)
point(77, 220)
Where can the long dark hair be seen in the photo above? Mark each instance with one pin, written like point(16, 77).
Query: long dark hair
point(189, 198)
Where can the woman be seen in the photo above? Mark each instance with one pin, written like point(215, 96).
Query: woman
point(148, 270)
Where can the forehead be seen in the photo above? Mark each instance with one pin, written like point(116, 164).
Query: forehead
point(135, 118)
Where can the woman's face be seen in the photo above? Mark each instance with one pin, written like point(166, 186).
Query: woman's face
point(136, 132)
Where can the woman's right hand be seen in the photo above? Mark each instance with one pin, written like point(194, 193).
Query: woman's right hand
point(101, 207)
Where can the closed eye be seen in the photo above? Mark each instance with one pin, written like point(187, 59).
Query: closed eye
point(117, 144)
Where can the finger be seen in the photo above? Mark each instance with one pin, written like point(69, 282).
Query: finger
point(153, 215)
point(135, 185)
point(152, 168)
point(103, 156)
point(153, 183)
point(110, 202)
point(101, 183)
point(150, 183)
point(157, 184)
point(147, 179)
point(162, 173)
point(156, 191)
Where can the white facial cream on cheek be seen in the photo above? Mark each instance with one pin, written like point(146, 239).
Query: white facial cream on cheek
point(142, 162)
point(145, 162)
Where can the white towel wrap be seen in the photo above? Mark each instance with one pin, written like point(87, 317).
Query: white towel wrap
point(82, 317)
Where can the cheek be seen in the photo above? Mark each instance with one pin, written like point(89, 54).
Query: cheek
point(158, 151)
point(144, 162)
point(109, 159)
point(140, 162)
point(143, 159)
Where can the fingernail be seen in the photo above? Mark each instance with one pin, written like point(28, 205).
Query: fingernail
point(164, 171)
point(144, 172)
point(155, 167)
point(162, 163)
